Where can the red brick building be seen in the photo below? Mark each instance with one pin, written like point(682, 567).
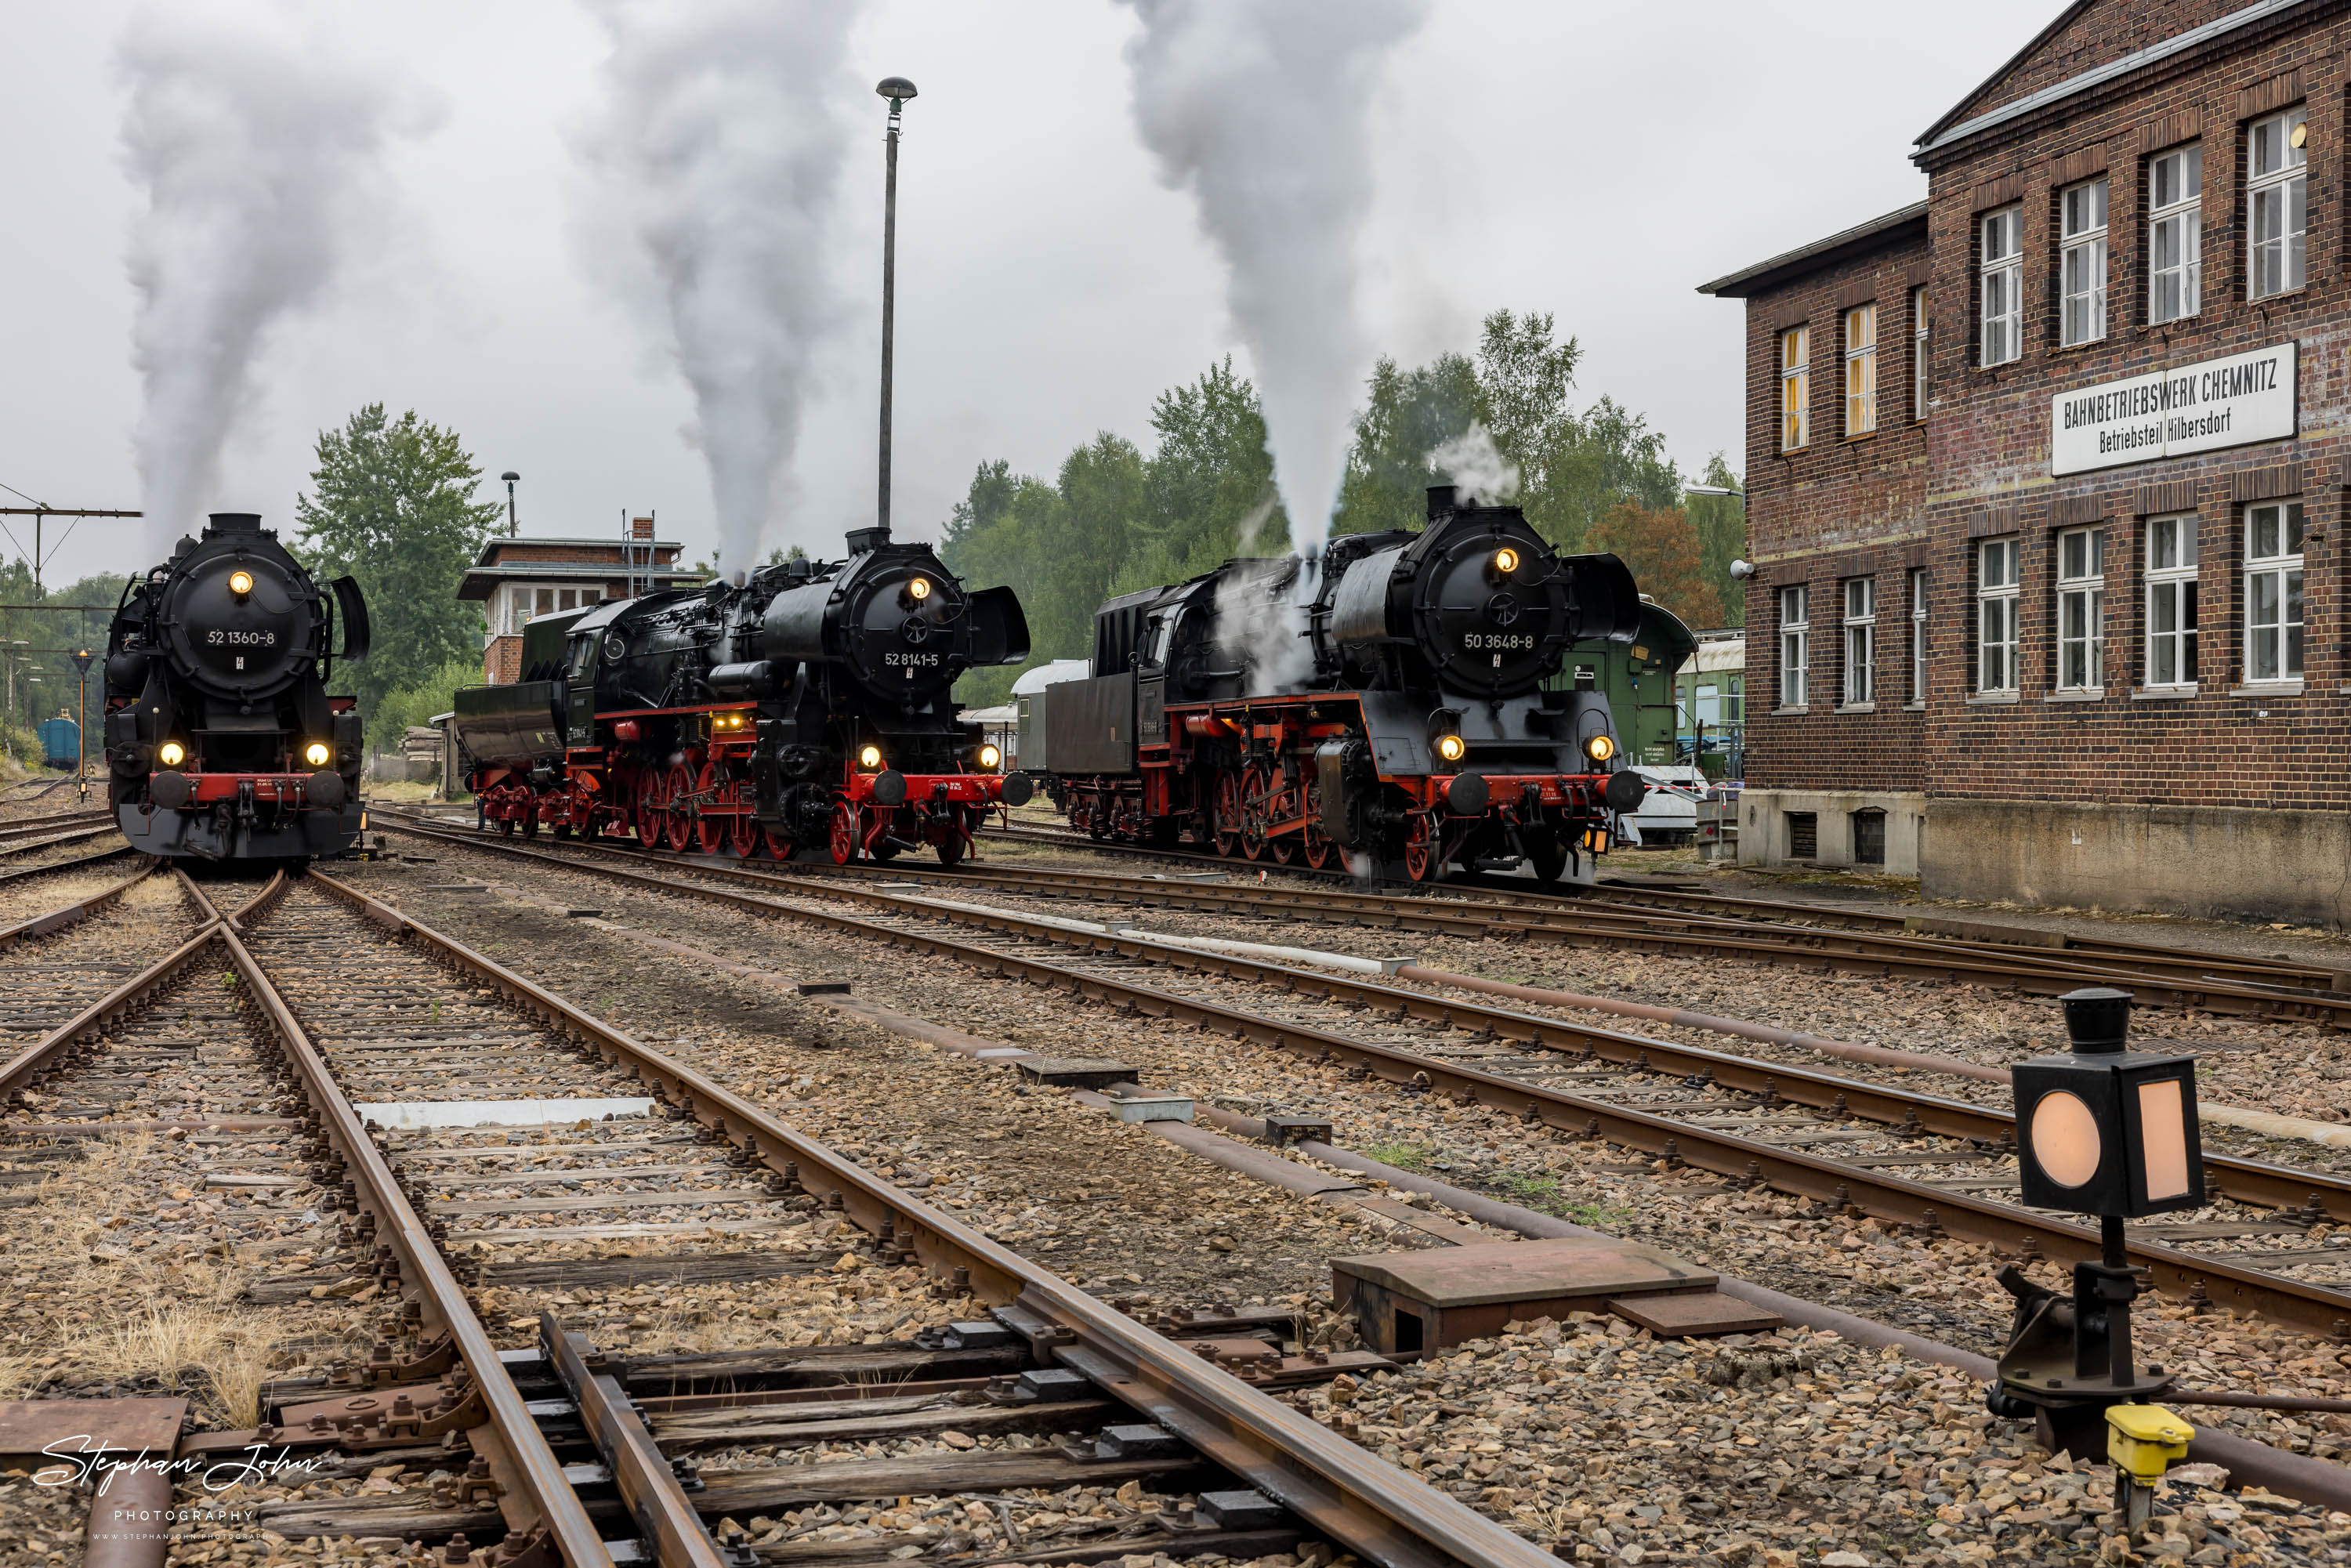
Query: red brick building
point(2085, 547)
point(516, 578)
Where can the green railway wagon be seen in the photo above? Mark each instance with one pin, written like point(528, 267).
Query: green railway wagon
point(1638, 678)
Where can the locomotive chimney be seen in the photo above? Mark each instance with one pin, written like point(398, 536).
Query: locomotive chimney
point(233, 522)
point(1440, 501)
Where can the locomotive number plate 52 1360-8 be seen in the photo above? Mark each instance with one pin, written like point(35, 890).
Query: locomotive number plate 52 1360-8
point(217, 636)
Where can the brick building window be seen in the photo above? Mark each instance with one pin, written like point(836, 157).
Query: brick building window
point(2171, 602)
point(1919, 352)
point(1861, 370)
point(1860, 640)
point(2175, 234)
point(2000, 284)
point(2081, 610)
point(1918, 634)
point(2273, 592)
point(1995, 586)
point(2276, 199)
point(1795, 645)
point(1795, 387)
point(2081, 263)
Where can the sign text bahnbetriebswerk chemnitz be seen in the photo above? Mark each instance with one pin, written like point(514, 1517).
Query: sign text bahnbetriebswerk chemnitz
point(2174, 411)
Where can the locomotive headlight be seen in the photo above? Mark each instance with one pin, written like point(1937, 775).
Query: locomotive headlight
point(240, 584)
point(316, 754)
point(1600, 748)
point(920, 589)
point(173, 754)
point(1451, 747)
point(868, 756)
point(989, 757)
point(1506, 560)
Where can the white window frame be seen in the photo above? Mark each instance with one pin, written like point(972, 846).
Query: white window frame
point(1860, 641)
point(1795, 388)
point(1999, 286)
point(2175, 234)
point(1919, 352)
point(2081, 263)
point(1861, 370)
point(2277, 202)
point(2081, 609)
point(1795, 645)
point(2273, 594)
point(1918, 636)
point(2170, 589)
point(1997, 590)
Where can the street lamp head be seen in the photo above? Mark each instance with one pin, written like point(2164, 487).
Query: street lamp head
point(897, 90)
point(509, 475)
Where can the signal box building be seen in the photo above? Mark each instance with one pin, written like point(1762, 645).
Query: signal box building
point(516, 578)
point(2045, 484)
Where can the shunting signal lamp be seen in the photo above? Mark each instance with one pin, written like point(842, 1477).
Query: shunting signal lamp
point(240, 584)
point(1600, 748)
point(2108, 1130)
point(173, 754)
point(1451, 747)
point(868, 756)
point(315, 754)
point(1506, 560)
point(989, 757)
point(920, 588)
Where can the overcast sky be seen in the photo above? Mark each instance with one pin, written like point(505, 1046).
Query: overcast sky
point(1595, 162)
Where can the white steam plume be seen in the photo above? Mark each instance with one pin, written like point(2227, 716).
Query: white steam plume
point(1477, 468)
point(260, 163)
point(1260, 109)
point(721, 150)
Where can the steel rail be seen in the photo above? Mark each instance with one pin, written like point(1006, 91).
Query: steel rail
point(533, 1495)
point(2247, 1181)
point(1747, 912)
point(73, 913)
point(1474, 917)
point(57, 836)
point(2184, 980)
point(2291, 1302)
point(53, 1050)
point(648, 1488)
point(1375, 1508)
point(55, 822)
point(25, 872)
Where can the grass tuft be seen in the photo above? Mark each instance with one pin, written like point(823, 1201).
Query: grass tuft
point(1404, 1156)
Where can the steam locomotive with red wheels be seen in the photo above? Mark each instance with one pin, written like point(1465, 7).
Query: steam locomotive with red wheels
point(805, 707)
point(222, 741)
point(1381, 707)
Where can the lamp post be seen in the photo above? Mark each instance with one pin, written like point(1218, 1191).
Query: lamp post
point(2109, 1132)
point(82, 659)
point(512, 526)
point(897, 90)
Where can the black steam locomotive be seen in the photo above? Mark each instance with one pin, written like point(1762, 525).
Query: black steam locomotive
point(808, 708)
point(221, 740)
point(1388, 711)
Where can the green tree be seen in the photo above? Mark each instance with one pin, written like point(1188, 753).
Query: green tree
point(1408, 414)
point(1208, 492)
point(1721, 523)
point(392, 504)
point(1662, 548)
point(415, 703)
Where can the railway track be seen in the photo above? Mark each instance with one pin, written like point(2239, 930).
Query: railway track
point(343, 1010)
point(1914, 1159)
point(28, 838)
point(1670, 922)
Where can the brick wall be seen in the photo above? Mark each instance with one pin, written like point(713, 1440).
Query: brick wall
point(1989, 438)
point(1842, 507)
point(1979, 467)
point(502, 662)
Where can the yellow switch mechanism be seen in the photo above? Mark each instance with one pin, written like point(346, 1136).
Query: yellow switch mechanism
point(2144, 1440)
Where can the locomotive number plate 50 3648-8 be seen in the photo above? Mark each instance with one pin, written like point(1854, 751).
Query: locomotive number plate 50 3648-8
point(1497, 642)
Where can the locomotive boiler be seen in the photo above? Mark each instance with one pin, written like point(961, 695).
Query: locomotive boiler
point(808, 708)
point(1387, 711)
point(222, 741)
